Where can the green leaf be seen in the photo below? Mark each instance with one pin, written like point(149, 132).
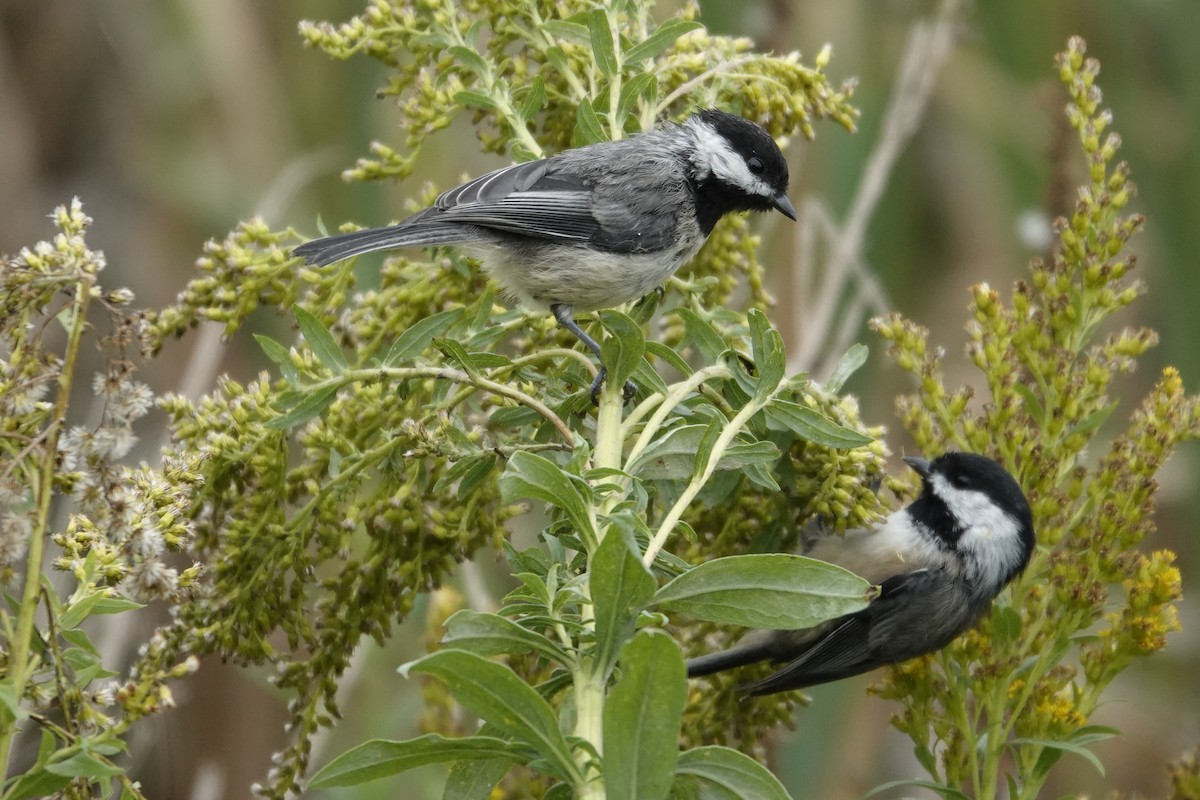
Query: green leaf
point(115, 605)
point(280, 355)
point(945, 791)
point(1033, 406)
point(82, 764)
point(698, 333)
point(1053, 748)
point(673, 456)
point(37, 782)
point(10, 704)
point(767, 350)
point(468, 471)
point(458, 354)
point(648, 378)
point(418, 336)
point(380, 758)
point(622, 349)
point(663, 37)
point(492, 635)
point(1006, 624)
point(732, 775)
point(633, 89)
point(320, 340)
point(474, 780)
point(313, 404)
point(85, 666)
point(847, 365)
point(776, 590)
point(95, 601)
point(642, 718)
point(573, 32)
point(1093, 421)
point(621, 587)
point(497, 695)
point(469, 59)
point(588, 129)
point(535, 98)
point(812, 426)
point(470, 99)
point(603, 50)
point(529, 475)
point(667, 354)
point(704, 448)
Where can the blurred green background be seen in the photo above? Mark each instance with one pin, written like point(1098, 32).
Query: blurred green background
point(175, 119)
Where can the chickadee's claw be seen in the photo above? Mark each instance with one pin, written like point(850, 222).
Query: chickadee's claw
point(627, 391)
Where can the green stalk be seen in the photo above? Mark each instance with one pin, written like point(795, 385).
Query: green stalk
point(589, 685)
point(697, 483)
point(19, 667)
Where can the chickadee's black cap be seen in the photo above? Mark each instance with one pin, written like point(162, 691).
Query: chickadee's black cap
point(751, 139)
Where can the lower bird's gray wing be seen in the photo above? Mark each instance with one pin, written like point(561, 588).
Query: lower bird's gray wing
point(865, 640)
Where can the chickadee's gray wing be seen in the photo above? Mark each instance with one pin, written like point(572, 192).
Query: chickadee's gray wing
point(533, 199)
point(894, 627)
point(537, 199)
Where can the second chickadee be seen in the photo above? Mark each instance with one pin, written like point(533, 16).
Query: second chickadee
point(595, 226)
point(939, 562)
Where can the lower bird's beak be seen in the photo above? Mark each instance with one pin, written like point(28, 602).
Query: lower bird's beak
point(921, 465)
point(784, 206)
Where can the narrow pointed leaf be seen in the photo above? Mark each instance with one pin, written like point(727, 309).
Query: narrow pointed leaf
point(701, 335)
point(320, 340)
point(474, 780)
point(847, 365)
point(812, 426)
point(380, 758)
point(663, 37)
point(774, 590)
point(948, 792)
point(499, 696)
point(673, 456)
point(418, 336)
point(280, 355)
point(621, 587)
point(602, 42)
point(622, 349)
point(731, 775)
point(588, 129)
point(573, 32)
point(530, 476)
point(642, 718)
point(492, 635)
point(767, 350)
point(313, 404)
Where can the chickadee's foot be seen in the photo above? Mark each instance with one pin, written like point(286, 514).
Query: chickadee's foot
point(627, 391)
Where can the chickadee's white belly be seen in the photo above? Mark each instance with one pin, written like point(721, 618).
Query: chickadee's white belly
point(580, 277)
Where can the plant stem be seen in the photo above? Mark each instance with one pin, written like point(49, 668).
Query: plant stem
point(588, 683)
point(697, 483)
point(18, 663)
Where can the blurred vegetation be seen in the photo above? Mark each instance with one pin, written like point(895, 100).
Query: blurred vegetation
point(181, 118)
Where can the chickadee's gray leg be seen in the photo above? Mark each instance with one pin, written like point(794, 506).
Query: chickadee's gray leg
point(565, 316)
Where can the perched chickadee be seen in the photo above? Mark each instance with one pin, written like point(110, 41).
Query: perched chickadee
point(938, 562)
point(596, 226)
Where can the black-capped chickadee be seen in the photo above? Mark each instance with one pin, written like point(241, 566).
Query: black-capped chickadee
point(939, 562)
point(596, 226)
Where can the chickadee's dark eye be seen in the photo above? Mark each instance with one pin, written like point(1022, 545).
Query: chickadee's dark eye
point(755, 165)
point(961, 480)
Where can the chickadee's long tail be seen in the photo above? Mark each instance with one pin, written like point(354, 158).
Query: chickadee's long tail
point(344, 245)
point(728, 659)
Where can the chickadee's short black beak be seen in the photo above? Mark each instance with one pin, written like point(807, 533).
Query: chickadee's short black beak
point(784, 206)
point(921, 465)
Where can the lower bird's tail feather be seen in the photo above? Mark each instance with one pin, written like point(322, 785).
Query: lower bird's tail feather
point(726, 659)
